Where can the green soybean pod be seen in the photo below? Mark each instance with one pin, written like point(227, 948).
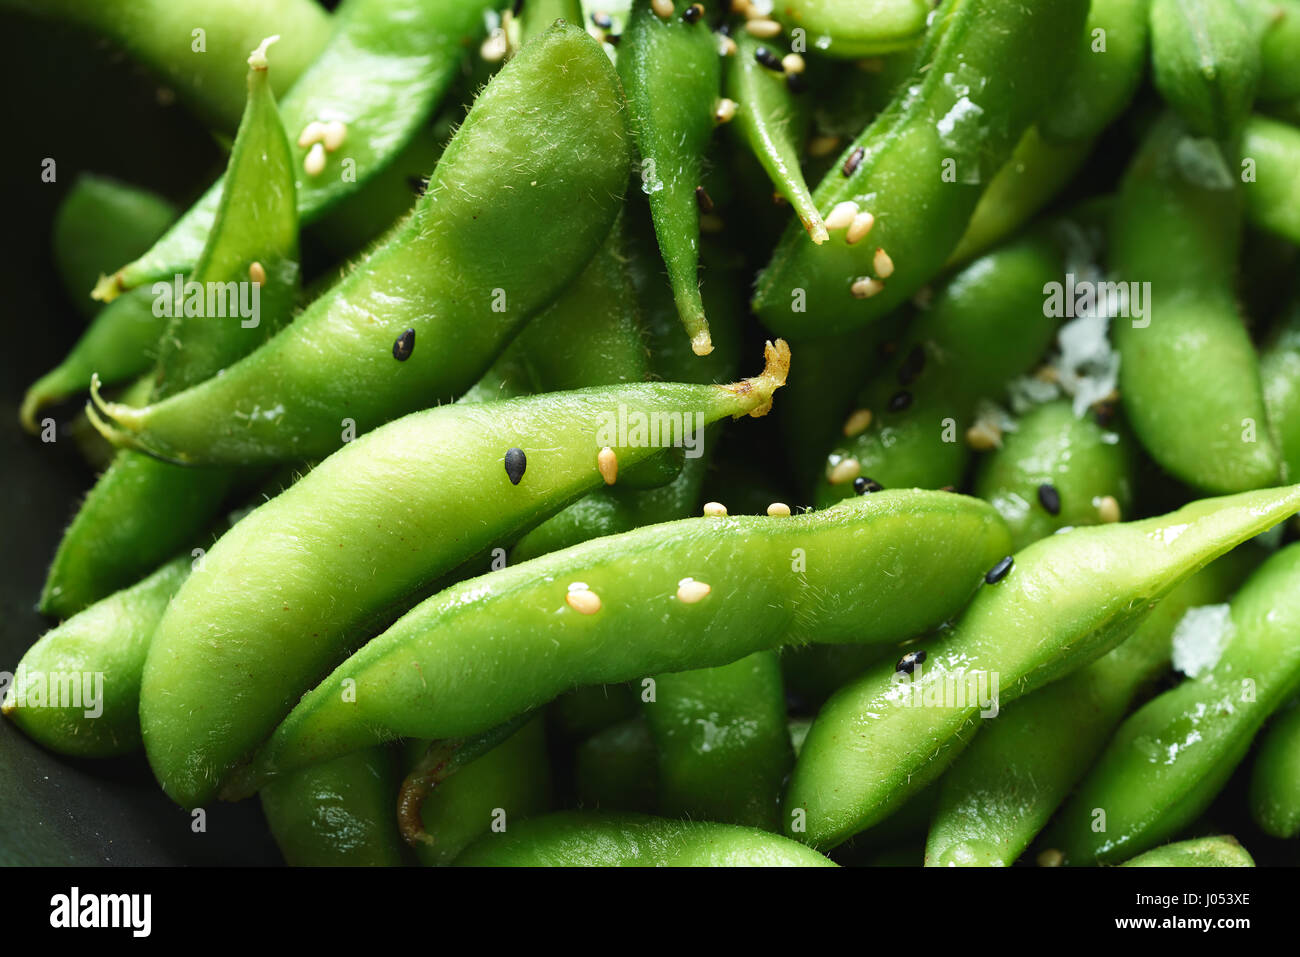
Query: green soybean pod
point(909, 183)
point(1058, 470)
point(855, 28)
point(100, 224)
point(669, 597)
point(1279, 370)
point(586, 839)
point(103, 647)
point(1002, 790)
point(767, 118)
point(461, 273)
point(196, 46)
point(1065, 601)
point(1271, 193)
point(492, 793)
point(1170, 758)
point(985, 325)
point(369, 528)
point(1174, 239)
point(1278, 78)
point(670, 70)
point(616, 769)
point(386, 64)
point(1275, 778)
point(1223, 851)
point(722, 742)
point(342, 813)
point(140, 510)
point(1205, 61)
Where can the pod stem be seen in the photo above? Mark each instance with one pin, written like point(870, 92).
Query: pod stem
point(776, 357)
point(434, 767)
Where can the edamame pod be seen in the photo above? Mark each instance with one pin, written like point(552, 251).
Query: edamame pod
point(142, 510)
point(1175, 234)
point(1279, 371)
point(342, 813)
point(195, 46)
point(855, 28)
point(915, 175)
point(1205, 61)
point(1278, 78)
point(1201, 852)
point(96, 656)
point(1168, 761)
point(1057, 470)
point(1275, 779)
point(584, 839)
point(670, 70)
point(1065, 601)
point(1002, 790)
point(722, 742)
point(492, 793)
point(767, 117)
point(460, 274)
point(370, 527)
point(100, 224)
point(1272, 193)
point(616, 769)
point(669, 597)
point(986, 324)
point(386, 63)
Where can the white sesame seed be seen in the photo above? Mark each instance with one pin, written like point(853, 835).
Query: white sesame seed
point(820, 146)
point(313, 132)
point(793, 63)
point(607, 463)
point(984, 436)
point(725, 111)
point(860, 226)
point(336, 131)
point(314, 164)
point(662, 8)
point(858, 422)
point(726, 46)
point(842, 216)
point(582, 599)
point(763, 29)
point(778, 510)
point(689, 591)
point(715, 509)
point(1108, 509)
point(866, 287)
point(495, 47)
point(845, 470)
point(257, 273)
point(883, 264)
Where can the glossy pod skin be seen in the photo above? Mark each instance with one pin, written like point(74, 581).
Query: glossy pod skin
point(338, 814)
point(1279, 370)
point(1200, 852)
point(100, 224)
point(493, 792)
point(920, 167)
point(767, 119)
point(1054, 472)
point(616, 769)
point(672, 77)
point(109, 640)
point(386, 64)
point(1272, 199)
point(1205, 61)
point(1278, 79)
point(140, 510)
point(582, 839)
point(1182, 236)
point(985, 325)
point(722, 743)
point(1067, 600)
point(205, 69)
point(1275, 778)
point(1002, 790)
point(461, 272)
point(855, 28)
point(642, 627)
point(255, 619)
point(1168, 760)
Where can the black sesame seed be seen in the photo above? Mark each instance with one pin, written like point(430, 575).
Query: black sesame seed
point(418, 184)
point(703, 200)
point(602, 20)
point(796, 82)
point(516, 462)
point(999, 571)
point(769, 59)
point(613, 38)
point(404, 345)
point(912, 366)
point(1104, 413)
point(863, 485)
point(518, 8)
point(1049, 498)
point(907, 664)
point(899, 401)
point(854, 161)
point(693, 13)
point(725, 30)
